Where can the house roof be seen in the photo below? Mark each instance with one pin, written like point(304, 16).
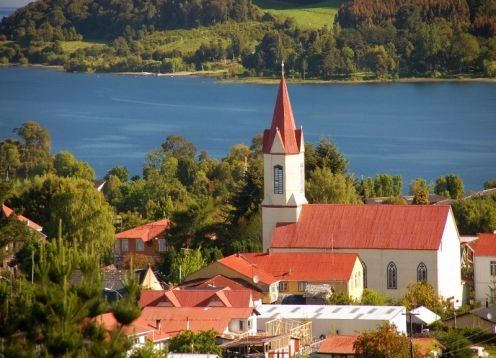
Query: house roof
point(218, 282)
point(30, 223)
point(338, 345)
point(246, 268)
point(174, 320)
point(224, 297)
point(486, 245)
point(344, 345)
point(146, 232)
point(335, 226)
point(283, 125)
point(348, 312)
point(309, 266)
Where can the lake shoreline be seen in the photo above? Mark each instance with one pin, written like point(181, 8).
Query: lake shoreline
point(265, 80)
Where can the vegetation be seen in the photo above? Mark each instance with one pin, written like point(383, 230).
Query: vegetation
point(364, 40)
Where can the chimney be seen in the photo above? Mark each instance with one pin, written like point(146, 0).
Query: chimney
point(158, 325)
point(187, 323)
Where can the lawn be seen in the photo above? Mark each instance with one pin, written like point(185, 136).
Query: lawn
point(315, 15)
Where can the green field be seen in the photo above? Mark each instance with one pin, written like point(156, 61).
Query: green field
point(315, 15)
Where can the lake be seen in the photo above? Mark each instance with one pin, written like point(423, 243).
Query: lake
point(425, 129)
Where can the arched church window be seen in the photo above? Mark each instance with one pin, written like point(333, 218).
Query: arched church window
point(278, 177)
point(421, 272)
point(392, 276)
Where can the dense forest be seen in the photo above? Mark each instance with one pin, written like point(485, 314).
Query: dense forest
point(367, 40)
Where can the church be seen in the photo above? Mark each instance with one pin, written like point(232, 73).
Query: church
point(398, 244)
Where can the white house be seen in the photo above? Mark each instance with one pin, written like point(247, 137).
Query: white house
point(399, 244)
point(485, 268)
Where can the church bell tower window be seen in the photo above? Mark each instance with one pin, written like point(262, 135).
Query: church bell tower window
point(278, 177)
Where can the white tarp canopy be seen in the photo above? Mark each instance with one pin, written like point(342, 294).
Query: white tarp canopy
point(423, 315)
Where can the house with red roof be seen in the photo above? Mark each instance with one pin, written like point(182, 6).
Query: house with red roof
point(12, 247)
point(485, 268)
point(148, 240)
point(342, 347)
point(398, 244)
point(279, 275)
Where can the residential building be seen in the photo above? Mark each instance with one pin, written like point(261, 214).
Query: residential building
point(147, 240)
point(398, 244)
point(308, 275)
point(485, 268)
point(11, 248)
point(483, 317)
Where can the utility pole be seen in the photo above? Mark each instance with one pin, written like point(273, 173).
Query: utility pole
point(410, 314)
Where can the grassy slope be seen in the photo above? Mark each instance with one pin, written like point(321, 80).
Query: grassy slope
point(315, 15)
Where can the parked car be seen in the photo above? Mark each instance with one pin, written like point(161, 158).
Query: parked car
point(479, 351)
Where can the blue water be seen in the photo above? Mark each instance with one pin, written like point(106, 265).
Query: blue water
point(6, 11)
point(409, 129)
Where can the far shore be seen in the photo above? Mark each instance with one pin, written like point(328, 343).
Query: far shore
point(271, 80)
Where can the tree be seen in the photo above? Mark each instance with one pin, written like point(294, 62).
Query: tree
point(325, 187)
point(10, 159)
point(421, 293)
point(477, 215)
point(66, 165)
point(420, 192)
point(374, 298)
point(118, 171)
point(56, 314)
point(456, 344)
point(191, 342)
point(450, 186)
point(185, 262)
point(325, 155)
point(35, 151)
point(383, 342)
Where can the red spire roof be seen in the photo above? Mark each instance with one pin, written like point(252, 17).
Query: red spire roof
point(283, 124)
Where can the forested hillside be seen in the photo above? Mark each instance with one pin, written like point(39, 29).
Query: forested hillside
point(373, 39)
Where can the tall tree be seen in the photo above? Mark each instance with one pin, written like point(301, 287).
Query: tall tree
point(36, 149)
point(325, 187)
point(450, 186)
point(385, 341)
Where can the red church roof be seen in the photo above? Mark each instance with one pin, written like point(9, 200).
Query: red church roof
point(309, 266)
point(486, 245)
point(146, 232)
point(283, 124)
point(400, 227)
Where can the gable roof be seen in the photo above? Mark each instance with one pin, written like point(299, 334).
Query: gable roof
point(486, 245)
point(224, 297)
point(146, 232)
point(308, 266)
point(336, 226)
point(241, 265)
point(338, 345)
point(174, 320)
point(30, 223)
point(219, 282)
point(283, 125)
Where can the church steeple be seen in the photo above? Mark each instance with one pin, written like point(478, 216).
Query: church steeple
point(284, 167)
point(283, 137)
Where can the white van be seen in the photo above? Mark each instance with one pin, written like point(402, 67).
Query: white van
point(478, 351)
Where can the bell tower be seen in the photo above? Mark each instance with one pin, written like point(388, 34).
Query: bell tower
point(284, 167)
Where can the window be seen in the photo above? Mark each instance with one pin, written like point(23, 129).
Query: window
point(241, 325)
point(392, 276)
point(422, 272)
point(302, 285)
point(302, 177)
point(493, 268)
point(278, 179)
point(161, 245)
point(364, 275)
point(139, 245)
point(283, 286)
point(125, 245)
